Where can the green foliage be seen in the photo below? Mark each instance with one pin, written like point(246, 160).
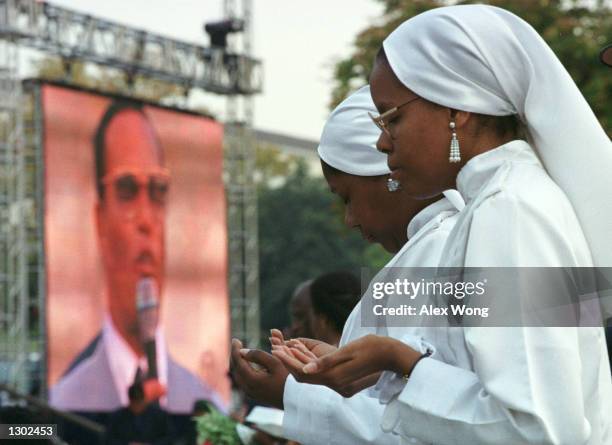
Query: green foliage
point(375, 257)
point(217, 429)
point(302, 235)
point(574, 32)
point(272, 165)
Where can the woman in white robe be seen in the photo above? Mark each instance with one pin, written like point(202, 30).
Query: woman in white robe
point(358, 173)
point(445, 75)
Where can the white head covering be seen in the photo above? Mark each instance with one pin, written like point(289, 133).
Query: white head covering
point(348, 141)
point(486, 60)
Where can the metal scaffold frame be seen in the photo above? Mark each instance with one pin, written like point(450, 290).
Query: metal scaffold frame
point(242, 196)
point(13, 203)
point(77, 36)
point(74, 36)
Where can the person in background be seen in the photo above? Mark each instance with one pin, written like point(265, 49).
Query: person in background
point(333, 295)
point(300, 310)
point(139, 423)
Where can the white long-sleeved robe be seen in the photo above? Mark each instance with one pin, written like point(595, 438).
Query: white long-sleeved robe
point(510, 385)
point(318, 415)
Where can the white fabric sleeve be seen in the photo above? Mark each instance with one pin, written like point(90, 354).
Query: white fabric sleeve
point(390, 384)
point(525, 385)
point(317, 415)
point(528, 393)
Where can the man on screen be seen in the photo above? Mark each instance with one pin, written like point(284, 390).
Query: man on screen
point(132, 188)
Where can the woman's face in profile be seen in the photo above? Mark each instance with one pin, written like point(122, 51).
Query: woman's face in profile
point(418, 142)
point(380, 216)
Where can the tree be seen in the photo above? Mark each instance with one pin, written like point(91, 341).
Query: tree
point(574, 31)
point(272, 166)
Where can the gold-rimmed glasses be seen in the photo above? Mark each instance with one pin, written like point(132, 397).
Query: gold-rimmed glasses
point(381, 120)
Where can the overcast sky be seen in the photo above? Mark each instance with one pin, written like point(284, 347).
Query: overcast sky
point(297, 41)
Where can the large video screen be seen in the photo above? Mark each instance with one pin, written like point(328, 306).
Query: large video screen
point(135, 251)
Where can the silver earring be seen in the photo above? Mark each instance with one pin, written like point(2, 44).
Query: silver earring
point(455, 153)
point(393, 185)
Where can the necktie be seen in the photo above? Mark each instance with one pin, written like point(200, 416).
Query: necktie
point(139, 376)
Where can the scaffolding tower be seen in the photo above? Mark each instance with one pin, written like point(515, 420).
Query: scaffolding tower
point(75, 36)
point(13, 202)
point(242, 195)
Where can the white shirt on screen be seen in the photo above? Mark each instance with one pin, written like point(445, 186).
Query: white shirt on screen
point(124, 362)
point(99, 378)
point(315, 414)
point(510, 385)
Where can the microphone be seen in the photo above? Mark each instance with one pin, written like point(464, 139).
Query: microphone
point(147, 307)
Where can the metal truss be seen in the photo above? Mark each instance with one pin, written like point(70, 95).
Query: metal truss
point(242, 196)
point(242, 231)
point(13, 229)
point(77, 36)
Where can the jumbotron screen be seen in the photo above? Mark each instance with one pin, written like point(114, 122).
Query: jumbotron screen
point(135, 251)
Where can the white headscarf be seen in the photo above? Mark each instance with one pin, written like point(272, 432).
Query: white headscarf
point(348, 141)
point(484, 59)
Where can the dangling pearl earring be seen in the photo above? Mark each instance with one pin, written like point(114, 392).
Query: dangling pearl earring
point(455, 153)
point(393, 185)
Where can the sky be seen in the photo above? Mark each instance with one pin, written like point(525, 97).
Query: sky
point(298, 43)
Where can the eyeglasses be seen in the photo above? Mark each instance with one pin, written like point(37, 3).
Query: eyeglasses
point(127, 185)
point(380, 120)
